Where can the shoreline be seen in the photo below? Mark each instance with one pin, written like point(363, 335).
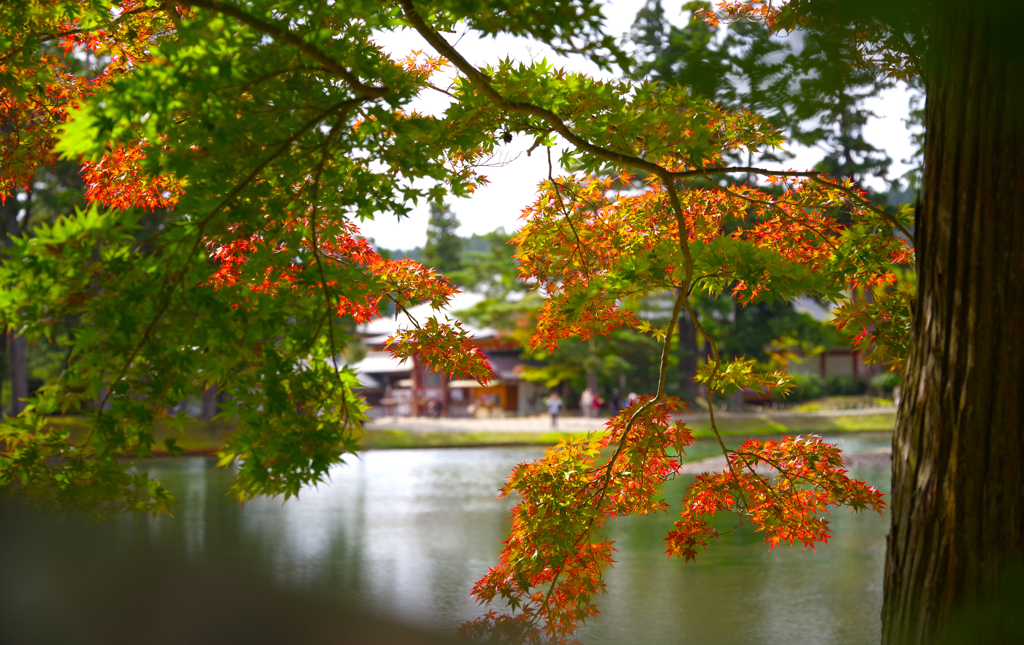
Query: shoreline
point(206, 437)
point(389, 433)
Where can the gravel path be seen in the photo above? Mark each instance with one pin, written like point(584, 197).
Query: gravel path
point(542, 423)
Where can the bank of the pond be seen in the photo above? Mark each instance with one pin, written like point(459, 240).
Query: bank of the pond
point(411, 431)
point(205, 437)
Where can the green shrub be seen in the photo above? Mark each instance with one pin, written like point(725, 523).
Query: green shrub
point(845, 385)
point(805, 387)
point(885, 383)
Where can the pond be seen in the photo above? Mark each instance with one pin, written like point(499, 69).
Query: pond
point(406, 533)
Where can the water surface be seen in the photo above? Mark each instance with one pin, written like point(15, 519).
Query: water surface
point(406, 533)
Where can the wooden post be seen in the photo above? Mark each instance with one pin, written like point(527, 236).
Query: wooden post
point(416, 382)
point(445, 394)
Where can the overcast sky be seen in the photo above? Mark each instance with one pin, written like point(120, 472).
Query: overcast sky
point(513, 184)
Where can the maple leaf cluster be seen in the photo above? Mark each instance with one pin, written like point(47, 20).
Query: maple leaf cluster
point(345, 268)
point(443, 346)
point(595, 245)
point(595, 251)
point(804, 478)
point(119, 180)
point(252, 168)
point(550, 569)
point(42, 82)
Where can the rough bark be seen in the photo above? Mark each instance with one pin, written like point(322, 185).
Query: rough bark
point(958, 450)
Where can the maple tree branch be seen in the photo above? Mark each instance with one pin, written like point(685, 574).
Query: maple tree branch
point(316, 332)
point(561, 206)
point(662, 373)
point(73, 32)
point(594, 502)
point(438, 89)
point(813, 175)
point(389, 295)
point(181, 271)
point(764, 172)
point(269, 75)
point(286, 36)
point(777, 466)
point(609, 467)
point(303, 129)
point(707, 392)
point(777, 207)
point(867, 204)
point(316, 250)
point(684, 298)
point(482, 82)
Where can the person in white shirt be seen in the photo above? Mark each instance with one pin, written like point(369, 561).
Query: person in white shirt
point(587, 402)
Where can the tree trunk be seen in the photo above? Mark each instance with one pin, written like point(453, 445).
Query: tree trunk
point(19, 373)
point(687, 357)
point(958, 450)
point(592, 361)
point(18, 355)
point(210, 407)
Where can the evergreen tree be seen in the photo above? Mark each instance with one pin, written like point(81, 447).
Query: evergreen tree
point(443, 250)
point(803, 83)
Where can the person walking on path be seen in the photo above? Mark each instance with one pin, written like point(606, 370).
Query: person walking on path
point(587, 403)
point(616, 402)
point(631, 399)
point(554, 406)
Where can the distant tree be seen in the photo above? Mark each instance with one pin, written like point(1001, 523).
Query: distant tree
point(443, 250)
point(738, 66)
point(487, 266)
point(803, 82)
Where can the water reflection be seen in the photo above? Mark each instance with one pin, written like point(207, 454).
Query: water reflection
point(406, 533)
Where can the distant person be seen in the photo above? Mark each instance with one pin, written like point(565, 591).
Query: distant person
point(616, 402)
point(554, 403)
point(631, 399)
point(587, 403)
